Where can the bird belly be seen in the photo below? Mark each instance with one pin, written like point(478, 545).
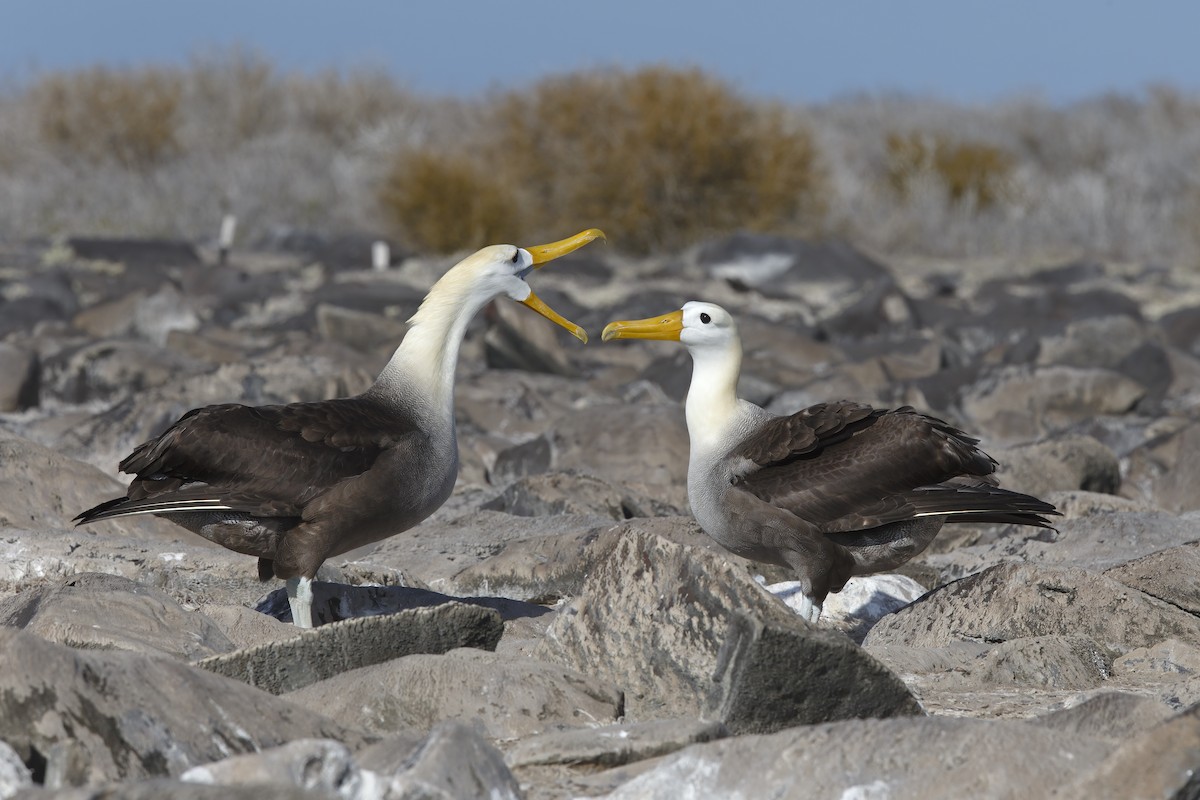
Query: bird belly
point(241, 533)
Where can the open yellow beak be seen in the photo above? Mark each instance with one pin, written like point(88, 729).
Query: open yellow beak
point(545, 253)
point(664, 326)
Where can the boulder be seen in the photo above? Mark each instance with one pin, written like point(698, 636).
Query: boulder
point(108, 612)
point(907, 757)
point(95, 716)
point(620, 441)
point(685, 634)
point(1064, 463)
point(1013, 600)
point(456, 762)
point(611, 745)
point(503, 698)
point(20, 378)
point(337, 648)
point(1169, 575)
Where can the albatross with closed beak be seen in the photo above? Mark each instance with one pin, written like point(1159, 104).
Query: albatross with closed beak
point(299, 483)
point(835, 490)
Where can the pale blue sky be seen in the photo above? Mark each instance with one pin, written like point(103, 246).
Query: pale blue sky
point(796, 51)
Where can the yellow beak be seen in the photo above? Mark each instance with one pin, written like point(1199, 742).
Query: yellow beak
point(664, 326)
point(545, 253)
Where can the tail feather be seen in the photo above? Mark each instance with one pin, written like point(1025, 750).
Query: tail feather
point(125, 507)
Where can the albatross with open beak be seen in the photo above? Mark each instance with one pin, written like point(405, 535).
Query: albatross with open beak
point(835, 490)
point(299, 483)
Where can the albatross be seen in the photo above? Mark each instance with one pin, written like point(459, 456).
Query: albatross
point(299, 483)
point(835, 490)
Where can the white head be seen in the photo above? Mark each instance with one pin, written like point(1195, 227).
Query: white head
point(500, 269)
point(700, 326)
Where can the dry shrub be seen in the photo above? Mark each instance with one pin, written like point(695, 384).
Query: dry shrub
point(445, 203)
point(970, 171)
point(106, 115)
point(235, 97)
point(338, 107)
point(657, 157)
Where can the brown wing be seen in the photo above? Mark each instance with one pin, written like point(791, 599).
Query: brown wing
point(264, 460)
point(845, 466)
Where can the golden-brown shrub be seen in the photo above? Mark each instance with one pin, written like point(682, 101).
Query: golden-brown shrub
point(101, 114)
point(445, 203)
point(968, 170)
point(657, 157)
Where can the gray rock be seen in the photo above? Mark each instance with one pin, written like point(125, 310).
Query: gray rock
point(572, 492)
point(110, 369)
point(1166, 470)
point(1096, 342)
point(612, 745)
point(1094, 541)
point(528, 458)
point(110, 612)
point(14, 775)
point(1011, 601)
point(1169, 575)
point(20, 385)
point(1018, 404)
point(161, 788)
point(360, 330)
point(1168, 659)
point(1160, 762)
point(456, 763)
point(1112, 715)
point(932, 757)
point(517, 339)
point(619, 441)
point(41, 487)
point(320, 765)
point(103, 716)
point(245, 627)
point(333, 649)
point(1061, 464)
point(1057, 662)
point(685, 634)
point(503, 698)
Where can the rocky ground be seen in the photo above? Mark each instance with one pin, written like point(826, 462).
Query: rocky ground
point(562, 628)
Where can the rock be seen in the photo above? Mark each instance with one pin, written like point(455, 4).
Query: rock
point(1062, 464)
point(245, 627)
point(41, 487)
point(360, 330)
point(1170, 658)
point(930, 757)
point(576, 493)
point(113, 368)
point(516, 339)
point(1059, 662)
point(20, 386)
point(1169, 575)
point(155, 252)
point(528, 458)
point(1166, 471)
point(1160, 762)
point(1112, 715)
point(547, 568)
point(1017, 403)
point(333, 649)
point(1096, 342)
point(160, 788)
point(1011, 601)
point(503, 698)
point(612, 745)
point(684, 634)
point(108, 612)
point(102, 716)
point(1093, 541)
point(619, 441)
point(455, 762)
point(14, 775)
point(320, 765)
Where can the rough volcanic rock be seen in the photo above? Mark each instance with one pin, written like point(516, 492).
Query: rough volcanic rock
point(684, 634)
point(20, 385)
point(1060, 464)
point(503, 698)
point(334, 649)
point(1170, 575)
point(102, 716)
point(108, 612)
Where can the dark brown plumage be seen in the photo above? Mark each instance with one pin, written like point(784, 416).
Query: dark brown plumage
point(834, 490)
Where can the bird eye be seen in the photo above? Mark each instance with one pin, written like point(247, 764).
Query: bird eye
point(516, 256)
point(705, 318)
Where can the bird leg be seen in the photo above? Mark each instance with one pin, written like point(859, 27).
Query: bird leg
point(795, 597)
point(300, 596)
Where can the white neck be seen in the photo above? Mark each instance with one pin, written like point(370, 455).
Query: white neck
point(426, 359)
point(712, 400)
